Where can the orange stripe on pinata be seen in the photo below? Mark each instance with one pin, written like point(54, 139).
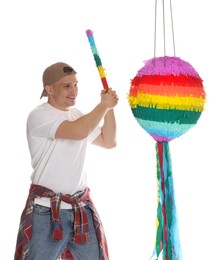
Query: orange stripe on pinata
point(167, 90)
point(171, 90)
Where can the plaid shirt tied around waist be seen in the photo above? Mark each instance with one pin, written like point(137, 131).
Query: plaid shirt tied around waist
point(81, 228)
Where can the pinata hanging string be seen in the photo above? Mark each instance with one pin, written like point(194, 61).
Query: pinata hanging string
point(155, 32)
point(164, 31)
point(164, 35)
point(171, 14)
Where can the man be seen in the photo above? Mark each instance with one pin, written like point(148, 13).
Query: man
point(59, 215)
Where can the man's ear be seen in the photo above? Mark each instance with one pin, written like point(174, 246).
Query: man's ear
point(48, 89)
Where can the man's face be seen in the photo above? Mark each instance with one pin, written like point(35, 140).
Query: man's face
point(63, 93)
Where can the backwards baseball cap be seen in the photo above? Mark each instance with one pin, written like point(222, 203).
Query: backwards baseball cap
point(55, 72)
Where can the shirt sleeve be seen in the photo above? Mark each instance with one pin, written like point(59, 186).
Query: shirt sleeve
point(43, 123)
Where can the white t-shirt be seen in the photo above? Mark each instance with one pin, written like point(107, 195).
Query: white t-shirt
point(58, 164)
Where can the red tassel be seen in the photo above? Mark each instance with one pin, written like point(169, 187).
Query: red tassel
point(58, 234)
point(66, 255)
point(82, 238)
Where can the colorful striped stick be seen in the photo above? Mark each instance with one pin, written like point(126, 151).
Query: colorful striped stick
point(97, 59)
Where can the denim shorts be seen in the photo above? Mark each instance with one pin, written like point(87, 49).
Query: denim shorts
point(42, 245)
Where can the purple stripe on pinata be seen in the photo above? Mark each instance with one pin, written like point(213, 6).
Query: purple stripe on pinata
point(167, 66)
point(168, 134)
point(161, 138)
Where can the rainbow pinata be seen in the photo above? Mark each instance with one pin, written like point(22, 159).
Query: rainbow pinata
point(166, 97)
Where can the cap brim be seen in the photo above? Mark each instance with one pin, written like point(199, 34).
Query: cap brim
point(44, 94)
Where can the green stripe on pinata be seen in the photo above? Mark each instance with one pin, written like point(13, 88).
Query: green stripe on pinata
point(163, 115)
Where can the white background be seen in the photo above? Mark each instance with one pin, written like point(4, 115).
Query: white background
point(35, 34)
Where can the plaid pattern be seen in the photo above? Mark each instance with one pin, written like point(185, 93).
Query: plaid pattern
point(66, 255)
point(81, 228)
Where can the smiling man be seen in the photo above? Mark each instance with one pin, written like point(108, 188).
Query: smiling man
point(59, 213)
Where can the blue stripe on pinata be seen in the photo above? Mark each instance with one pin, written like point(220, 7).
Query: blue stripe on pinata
point(150, 128)
point(170, 127)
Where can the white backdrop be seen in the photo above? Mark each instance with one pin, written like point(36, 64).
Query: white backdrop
point(35, 34)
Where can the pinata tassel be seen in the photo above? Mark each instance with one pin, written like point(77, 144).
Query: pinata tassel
point(167, 236)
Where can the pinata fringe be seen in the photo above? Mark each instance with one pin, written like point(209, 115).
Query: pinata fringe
point(167, 236)
point(173, 65)
point(166, 115)
point(169, 79)
point(167, 102)
point(167, 90)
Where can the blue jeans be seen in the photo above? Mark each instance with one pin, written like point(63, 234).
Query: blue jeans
point(42, 245)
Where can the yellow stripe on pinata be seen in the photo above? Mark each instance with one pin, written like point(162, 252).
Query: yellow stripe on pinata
point(188, 103)
point(101, 72)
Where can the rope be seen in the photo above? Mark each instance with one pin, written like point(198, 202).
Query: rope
point(164, 34)
point(171, 13)
point(164, 31)
point(155, 31)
